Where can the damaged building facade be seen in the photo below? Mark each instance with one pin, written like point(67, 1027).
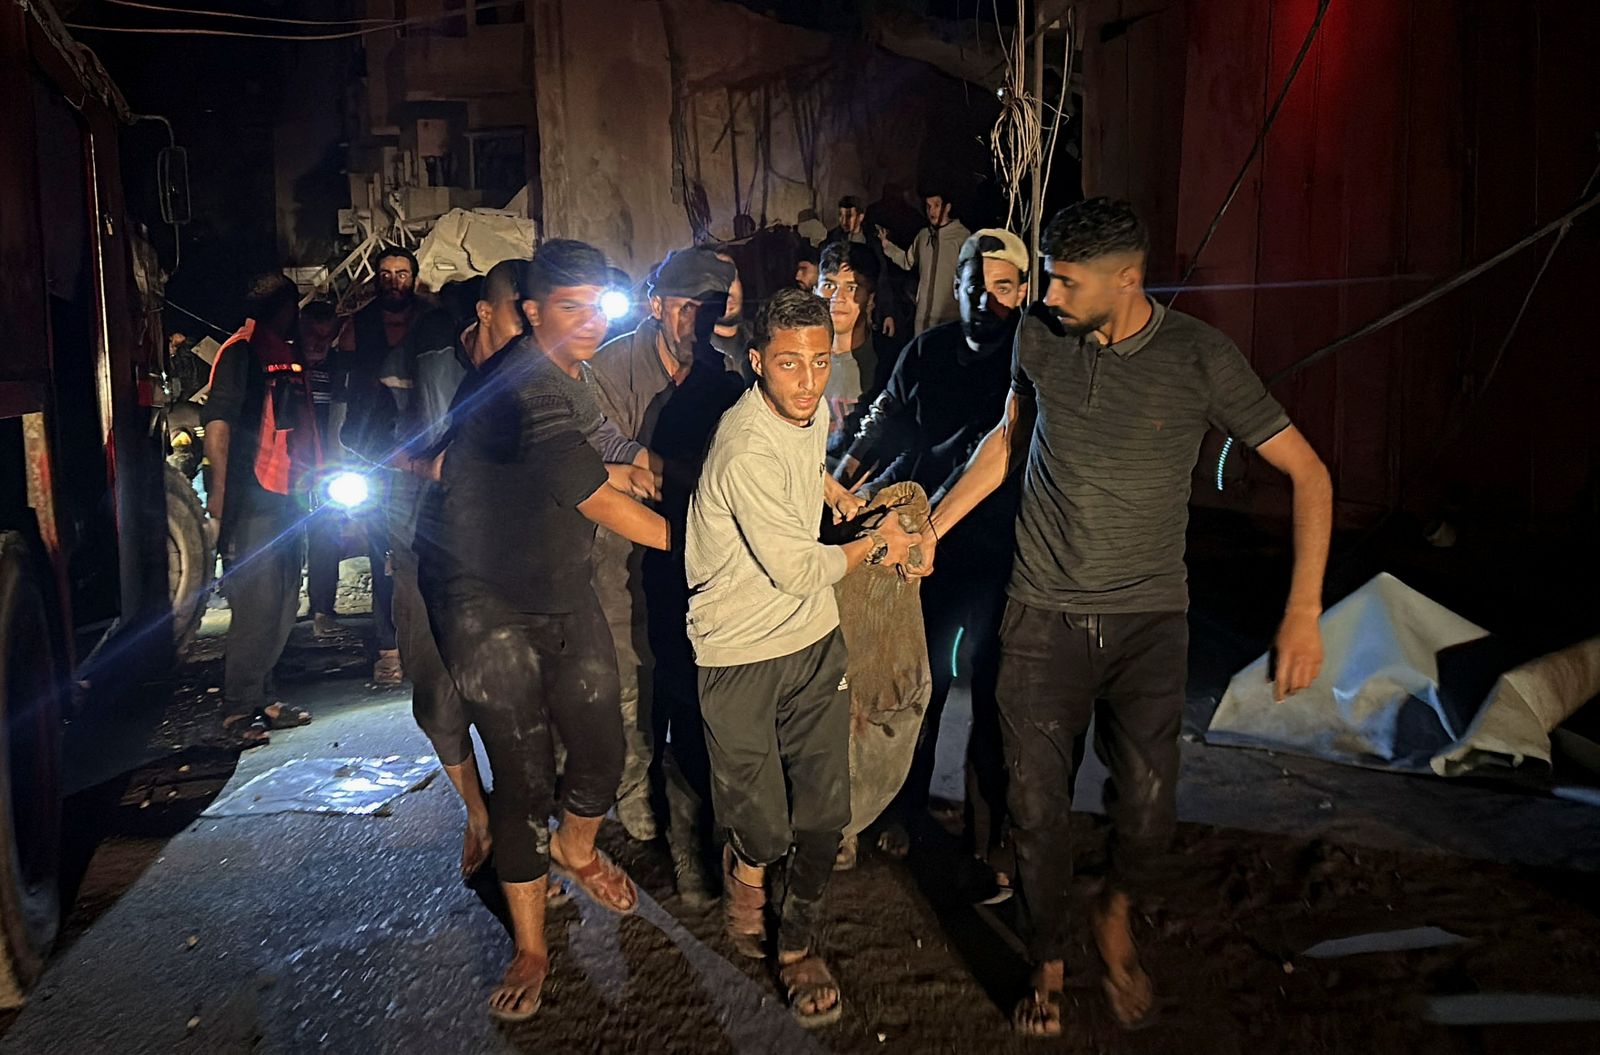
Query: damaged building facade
point(640, 127)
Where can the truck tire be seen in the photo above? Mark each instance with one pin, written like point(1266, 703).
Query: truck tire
point(191, 560)
point(31, 688)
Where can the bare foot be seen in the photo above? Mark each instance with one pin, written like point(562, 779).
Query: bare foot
point(813, 994)
point(475, 846)
point(517, 997)
point(1128, 988)
point(1039, 1013)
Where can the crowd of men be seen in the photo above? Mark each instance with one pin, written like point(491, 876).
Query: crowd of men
point(597, 552)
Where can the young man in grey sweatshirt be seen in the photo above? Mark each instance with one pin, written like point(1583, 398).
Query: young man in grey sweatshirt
point(765, 630)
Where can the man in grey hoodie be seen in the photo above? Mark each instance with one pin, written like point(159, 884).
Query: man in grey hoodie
point(765, 629)
point(932, 255)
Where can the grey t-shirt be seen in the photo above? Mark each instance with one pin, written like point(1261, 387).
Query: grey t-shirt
point(1106, 489)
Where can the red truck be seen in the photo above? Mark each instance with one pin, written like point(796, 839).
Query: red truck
point(104, 554)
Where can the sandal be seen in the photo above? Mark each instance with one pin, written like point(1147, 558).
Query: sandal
point(604, 881)
point(744, 917)
point(535, 987)
point(252, 731)
point(286, 718)
point(1038, 1015)
point(804, 981)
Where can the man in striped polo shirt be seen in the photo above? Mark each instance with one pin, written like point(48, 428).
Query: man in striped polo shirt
point(1111, 394)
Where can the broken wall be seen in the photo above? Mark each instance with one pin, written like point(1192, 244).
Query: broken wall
point(662, 121)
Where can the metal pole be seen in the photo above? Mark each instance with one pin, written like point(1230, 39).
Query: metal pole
point(1037, 88)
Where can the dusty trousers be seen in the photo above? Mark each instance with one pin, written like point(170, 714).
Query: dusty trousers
point(526, 679)
point(1057, 671)
point(778, 736)
point(436, 704)
point(262, 584)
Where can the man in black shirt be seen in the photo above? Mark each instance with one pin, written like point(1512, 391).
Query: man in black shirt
point(944, 395)
point(507, 578)
point(1111, 395)
point(424, 375)
point(261, 442)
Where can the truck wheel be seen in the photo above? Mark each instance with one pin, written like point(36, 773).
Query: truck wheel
point(31, 690)
point(191, 560)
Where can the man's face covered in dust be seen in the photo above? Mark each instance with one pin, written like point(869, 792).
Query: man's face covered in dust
point(397, 283)
point(677, 316)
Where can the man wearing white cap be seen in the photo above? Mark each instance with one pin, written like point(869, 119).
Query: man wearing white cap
point(945, 393)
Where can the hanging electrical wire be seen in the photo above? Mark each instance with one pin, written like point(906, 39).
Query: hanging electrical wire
point(1017, 138)
point(1060, 109)
point(387, 27)
point(136, 5)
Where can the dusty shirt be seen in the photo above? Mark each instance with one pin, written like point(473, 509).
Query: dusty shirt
point(516, 470)
point(761, 584)
point(1105, 496)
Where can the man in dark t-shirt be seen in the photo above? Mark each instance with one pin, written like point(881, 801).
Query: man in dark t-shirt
point(1111, 394)
point(505, 570)
point(261, 441)
point(942, 398)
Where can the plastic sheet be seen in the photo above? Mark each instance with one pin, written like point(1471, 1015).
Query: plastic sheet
point(1385, 697)
point(1514, 726)
point(362, 787)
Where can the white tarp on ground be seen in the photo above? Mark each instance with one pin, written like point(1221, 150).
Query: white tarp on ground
point(1377, 701)
point(468, 242)
point(1513, 726)
point(1403, 687)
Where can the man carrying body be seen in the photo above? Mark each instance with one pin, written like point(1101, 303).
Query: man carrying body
point(371, 337)
point(665, 387)
point(261, 441)
point(862, 358)
point(932, 255)
point(1111, 394)
point(508, 582)
point(765, 630)
point(424, 374)
point(945, 394)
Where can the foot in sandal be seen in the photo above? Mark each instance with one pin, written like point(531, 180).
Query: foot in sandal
point(1128, 988)
point(279, 715)
point(812, 993)
point(1039, 1013)
point(600, 877)
point(517, 997)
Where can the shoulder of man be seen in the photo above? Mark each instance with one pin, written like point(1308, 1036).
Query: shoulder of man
point(1196, 337)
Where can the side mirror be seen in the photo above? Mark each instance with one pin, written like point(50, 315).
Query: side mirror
point(172, 181)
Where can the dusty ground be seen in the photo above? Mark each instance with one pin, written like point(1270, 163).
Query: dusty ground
point(350, 934)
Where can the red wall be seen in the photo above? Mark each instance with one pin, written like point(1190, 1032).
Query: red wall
point(1419, 137)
